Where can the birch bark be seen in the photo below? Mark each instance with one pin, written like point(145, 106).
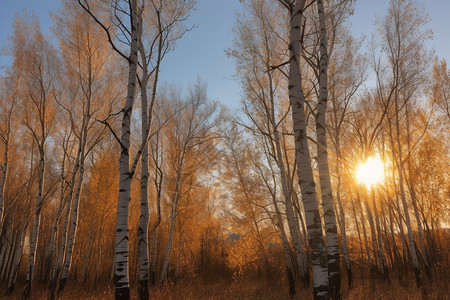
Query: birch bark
point(303, 159)
point(35, 232)
point(121, 278)
point(322, 159)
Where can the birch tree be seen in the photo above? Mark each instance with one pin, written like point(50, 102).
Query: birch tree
point(255, 52)
point(401, 30)
point(192, 139)
point(157, 39)
point(322, 160)
point(9, 98)
point(303, 159)
point(37, 59)
point(133, 38)
point(90, 76)
point(130, 10)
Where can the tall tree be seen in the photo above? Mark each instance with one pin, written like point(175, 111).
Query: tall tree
point(303, 158)
point(37, 61)
point(322, 161)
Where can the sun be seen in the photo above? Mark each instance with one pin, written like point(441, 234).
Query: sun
point(370, 172)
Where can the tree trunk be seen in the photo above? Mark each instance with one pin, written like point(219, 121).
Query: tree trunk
point(155, 242)
point(381, 251)
point(173, 216)
point(2, 187)
point(373, 232)
point(35, 232)
point(73, 227)
point(142, 233)
point(287, 193)
point(121, 272)
point(286, 250)
point(343, 223)
point(414, 199)
point(399, 163)
point(322, 160)
point(303, 159)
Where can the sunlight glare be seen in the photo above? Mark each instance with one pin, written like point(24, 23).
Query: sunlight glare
point(371, 172)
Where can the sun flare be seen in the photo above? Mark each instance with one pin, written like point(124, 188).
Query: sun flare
point(370, 172)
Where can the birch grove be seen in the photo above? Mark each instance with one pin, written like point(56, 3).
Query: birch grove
point(328, 181)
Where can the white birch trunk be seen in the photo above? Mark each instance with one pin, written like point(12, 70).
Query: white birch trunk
point(303, 159)
point(287, 193)
point(73, 228)
point(68, 202)
point(121, 278)
point(322, 159)
point(62, 251)
point(54, 234)
point(146, 128)
point(290, 215)
point(35, 232)
point(142, 234)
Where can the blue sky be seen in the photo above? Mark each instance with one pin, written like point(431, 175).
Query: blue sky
point(201, 53)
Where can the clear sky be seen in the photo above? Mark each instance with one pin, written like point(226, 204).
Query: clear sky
point(201, 52)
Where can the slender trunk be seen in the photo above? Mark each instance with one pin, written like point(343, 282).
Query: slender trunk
point(300, 221)
point(36, 226)
point(414, 199)
point(290, 214)
point(381, 252)
point(343, 223)
point(286, 250)
point(16, 263)
point(155, 242)
point(173, 216)
point(62, 251)
point(88, 254)
point(121, 270)
point(158, 180)
point(2, 186)
point(322, 160)
point(146, 127)
point(303, 159)
point(9, 257)
point(180, 250)
point(17, 259)
point(363, 224)
point(142, 232)
point(73, 228)
point(67, 202)
point(12, 258)
point(399, 163)
point(373, 232)
point(54, 234)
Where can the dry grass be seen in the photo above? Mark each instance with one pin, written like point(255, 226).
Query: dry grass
point(267, 289)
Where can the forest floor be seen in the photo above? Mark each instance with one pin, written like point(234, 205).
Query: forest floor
point(265, 290)
point(363, 288)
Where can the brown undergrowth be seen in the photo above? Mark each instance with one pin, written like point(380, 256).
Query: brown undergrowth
point(265, 289)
